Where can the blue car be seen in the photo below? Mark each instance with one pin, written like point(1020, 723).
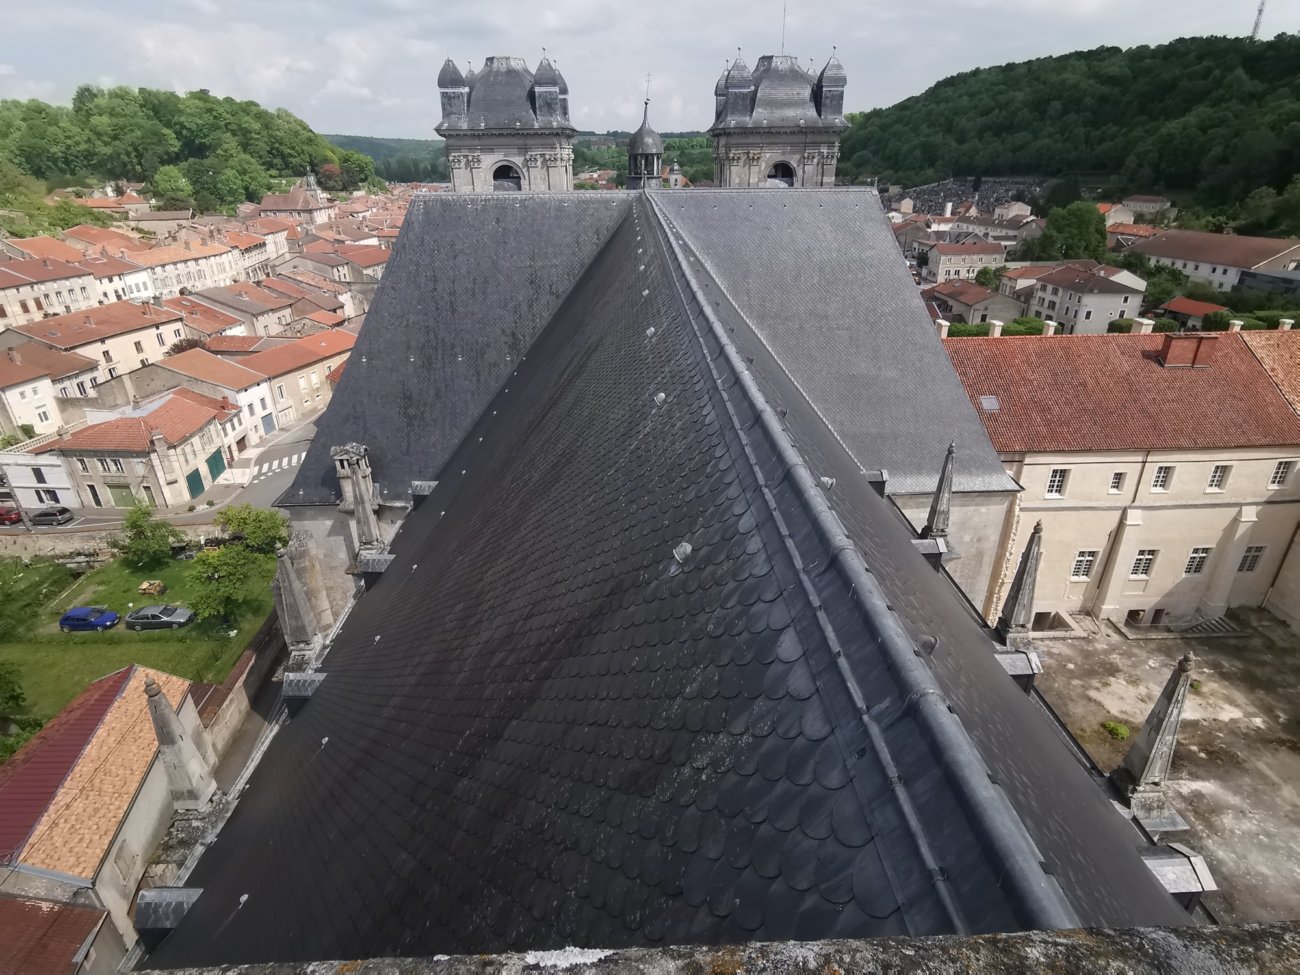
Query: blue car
point(88, 618)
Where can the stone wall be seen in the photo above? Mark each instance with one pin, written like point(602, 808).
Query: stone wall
point(92, 543)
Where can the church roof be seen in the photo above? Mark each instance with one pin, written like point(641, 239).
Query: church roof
point(450, 76)
point(782, 94)
point(546, 75)
point(645, 140)
point(502, 96)
point(663, 700)
point(833, 74)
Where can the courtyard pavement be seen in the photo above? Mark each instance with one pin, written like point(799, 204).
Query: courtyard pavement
point(1236, 771)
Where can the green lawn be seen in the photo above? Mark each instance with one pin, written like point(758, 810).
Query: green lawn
point(55, 666)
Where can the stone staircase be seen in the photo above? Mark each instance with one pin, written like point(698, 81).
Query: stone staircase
point(1219, 626)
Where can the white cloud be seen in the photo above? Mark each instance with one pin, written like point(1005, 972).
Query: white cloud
point(371, 68)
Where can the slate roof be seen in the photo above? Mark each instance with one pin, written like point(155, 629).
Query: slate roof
point(69, 787)
point(44, 938)
point(662, 700)
point(782, 93)
point(1110, 392)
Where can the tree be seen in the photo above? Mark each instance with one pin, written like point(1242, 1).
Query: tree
point(13, 701)
point(172, 189)
point(145, 541)
point(990, 277)
point(356, 169)
point(220, 582)
point(1078, 230)
point(184, 345)
point(330, 177)
point(259, 529)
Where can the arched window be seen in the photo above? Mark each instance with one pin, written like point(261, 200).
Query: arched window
point(782, 174)
point(506, 178)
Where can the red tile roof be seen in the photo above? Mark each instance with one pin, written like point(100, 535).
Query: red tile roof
point(243, 241)
point(335, 374)
point(98, 204)
point(233, 343)
point(269, 225)
point(1133, 230)
point(365, 255)
point(206, 367)
point(181, 414)
point(37, 269)
point(1110, 392)
point(31, 778)
point(966, 292)
point(178, 253)
point(114, 240)
point(31, 360)
point(1279, 354)
point(79, 327)
point(200, 317)
point(45, 938)
point(46, 247)
point(300, 353)
point(105, 265)
point(1189, 306)
point(327, 318)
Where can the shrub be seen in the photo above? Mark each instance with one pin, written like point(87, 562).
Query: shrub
point(145, 540)
point(1116, 729)
point(260, 529)
point(1121, 326)
point(1024, 326)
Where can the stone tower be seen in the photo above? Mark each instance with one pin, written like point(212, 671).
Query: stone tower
point(645, 153)
point(778, 125)
point(507, 128)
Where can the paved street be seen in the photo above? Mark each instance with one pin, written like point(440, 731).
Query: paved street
point(273, 464)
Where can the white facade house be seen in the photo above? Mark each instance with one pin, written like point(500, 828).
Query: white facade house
point(1158, 506)
point(38, 287)
point(1084, 301)
point(1220, 259)
point(191, 266)
point(37, 481)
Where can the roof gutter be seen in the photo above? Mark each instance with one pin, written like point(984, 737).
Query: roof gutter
point(1035, 891)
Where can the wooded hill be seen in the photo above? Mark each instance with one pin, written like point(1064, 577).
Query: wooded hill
point(1210, 117)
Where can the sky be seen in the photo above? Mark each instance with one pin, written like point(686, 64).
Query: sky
point(369, 67)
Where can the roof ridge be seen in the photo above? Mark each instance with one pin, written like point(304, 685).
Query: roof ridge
point(990, 809)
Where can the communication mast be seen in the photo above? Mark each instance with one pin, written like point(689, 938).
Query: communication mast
point(1259, 20)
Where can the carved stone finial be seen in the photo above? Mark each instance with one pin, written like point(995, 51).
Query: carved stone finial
point(936, 525)
point(1018, 610)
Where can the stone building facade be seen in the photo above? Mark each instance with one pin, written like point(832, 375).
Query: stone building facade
point(778, 125)
point(507, 128)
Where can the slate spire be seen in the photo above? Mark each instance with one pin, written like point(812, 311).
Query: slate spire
point(1018, 610)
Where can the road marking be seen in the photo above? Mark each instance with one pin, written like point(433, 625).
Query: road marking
point(263, 468)
point(296, 458)
point(74, 524)
point(275, 464)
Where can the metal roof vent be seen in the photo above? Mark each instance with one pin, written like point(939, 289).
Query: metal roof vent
point(682, 552)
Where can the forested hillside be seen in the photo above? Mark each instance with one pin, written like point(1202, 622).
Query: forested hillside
point(400, 160)
point(1213, 117)
point(209, 151)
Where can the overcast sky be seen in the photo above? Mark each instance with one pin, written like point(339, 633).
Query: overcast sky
point(368, 67)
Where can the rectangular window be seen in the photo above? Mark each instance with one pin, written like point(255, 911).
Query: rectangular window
point(22, 394)
point(1083, 563)
point(159, 337)
point(117, 466)
point(103, 464)
point(1196, 560)
point(81, 388)
point(1087, 315)
point(279, 390)
point(139, 347)
point(81, 463)
point(262, 400)
point(39, 475)
point(1117, 482)
point(176, 332)
point(1124, 301)
point(23, 307)
point(314, 380)
point(302, 383)
point(42, 416)
point(1163, 476)
point(1281, 472)
point(1218, 477)
point(250, 409)
point(1056, 482)
point(1250, 558)
point(108, 356)
point(1146, 557)
point(112, 372)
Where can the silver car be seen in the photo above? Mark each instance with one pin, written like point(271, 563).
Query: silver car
point(159, 618)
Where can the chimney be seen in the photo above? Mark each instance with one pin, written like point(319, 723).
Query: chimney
point(147, 308)
point(1145, 325)
point(188, 246)
point(1188, 349)
point(1049, 328)
point(995, 329)
point(947, 209)
point(1235, 325)
point(1285, 324)
point(15, 357)
point(46, 262)
point(943, 328)
point(87, 321)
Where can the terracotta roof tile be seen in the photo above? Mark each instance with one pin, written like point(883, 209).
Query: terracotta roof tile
point(365, 255)
point(1133, 230)
point(233, 343)
point(101, 236)
point(44, 938)
point(178, 253)
point(79, 327)
point(1110, 392)
point(1279, 354)
point(300, 353)
point(46, 247)
point(203, 365)
point(31, 360)
point(39, 269)
point(1189, 306)
point(327, 318)
point(201, 317)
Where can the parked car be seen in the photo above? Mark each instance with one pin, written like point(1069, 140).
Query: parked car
point(10, 516)
point(53, 516)
point(88, 618)
point(159, 618)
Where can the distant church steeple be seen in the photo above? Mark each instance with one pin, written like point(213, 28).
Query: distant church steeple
point(645, 152)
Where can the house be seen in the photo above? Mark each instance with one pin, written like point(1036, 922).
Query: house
point(210, 374)
point(1006, 211)
point(23, 248)
point(1161, 467)
point(263, 312)
point(1085, 299)
point(1188, 312)
point(40, 937)
point(203, 321)
point(1220, 259)
point(237, 346)
point(947, 261)
point(1146, 204)
point(296, 372)
point(119, 336)
point(85, 236)
point(1119, 236)
point(254, 253)
point(309, 298)
point(369, 261)
point(190, 266)
point(38, 287)
point(298, 206)
point(84, 803)
point(1011, 232)
point(108, 205)
point(160, 223)
point(1115, 213)
point(166, 450)
point(274, 232)
point(333, 267)
point(117, 278)
point(35, 480)
point(962, 300)
point(33, 378)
